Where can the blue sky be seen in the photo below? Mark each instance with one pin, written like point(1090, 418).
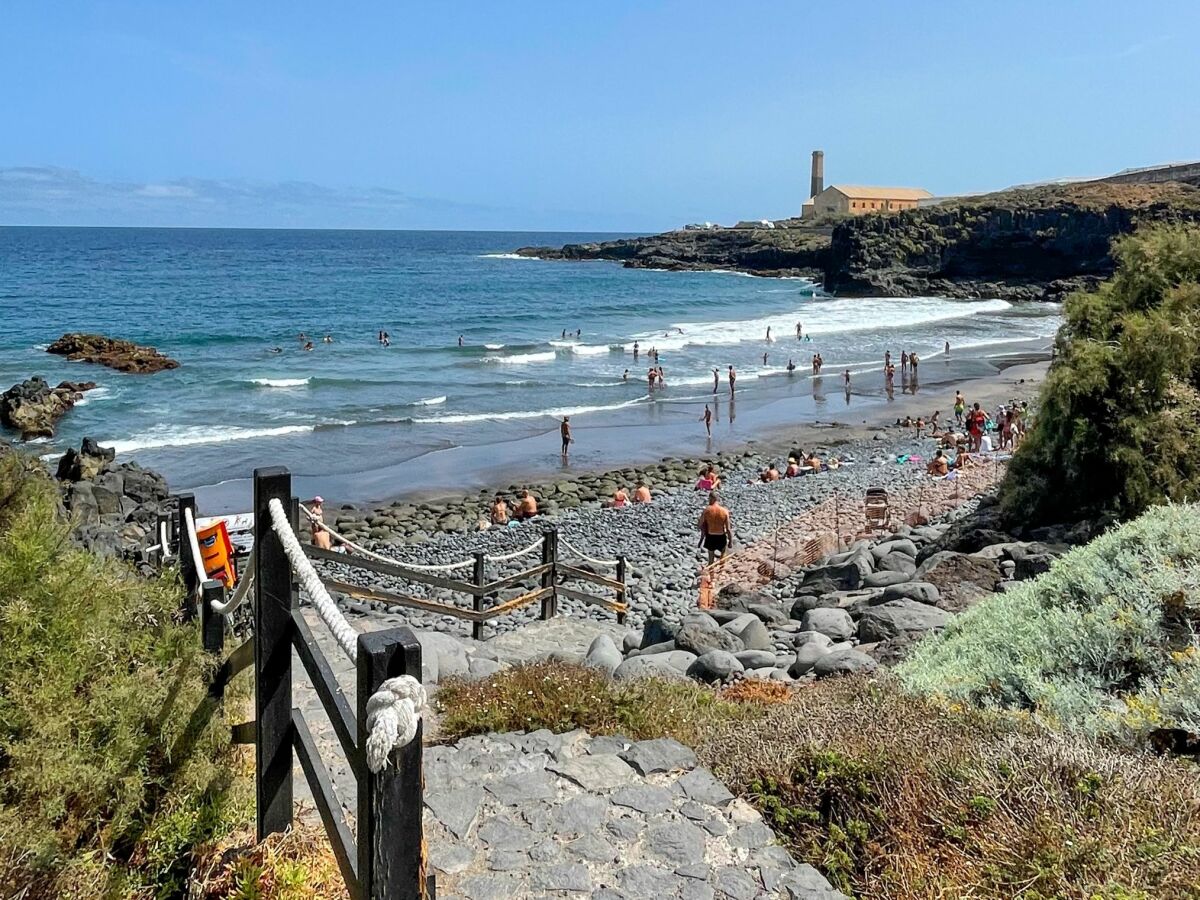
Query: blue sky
point(561, 115)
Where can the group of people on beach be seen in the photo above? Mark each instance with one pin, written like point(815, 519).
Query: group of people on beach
point(971, 433)
point(502, 514)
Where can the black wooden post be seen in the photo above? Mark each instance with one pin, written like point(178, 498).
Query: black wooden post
point(621, 592)
point(272, 657)
point(389, 803)
point(212, 623)
point(480, 562)
point(187, 565)
point(550, 578)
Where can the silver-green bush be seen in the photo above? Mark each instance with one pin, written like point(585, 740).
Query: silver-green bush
point(1103, 643)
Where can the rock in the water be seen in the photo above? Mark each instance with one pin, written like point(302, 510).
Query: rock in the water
point(716, 665)
point(897, 617)
point(33, 408)
point(844, 662)
point(699, 638)
point(124, 356)
point(835, 624)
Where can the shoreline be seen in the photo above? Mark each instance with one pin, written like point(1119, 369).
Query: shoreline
point(763, 431)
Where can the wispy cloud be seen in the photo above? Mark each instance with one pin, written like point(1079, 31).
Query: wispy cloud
point(46, 195)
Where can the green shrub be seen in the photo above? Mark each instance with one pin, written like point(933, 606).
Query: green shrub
point(109, 769)
point(1119, 422)
point(904, 798)
point(1102, 643)
point(562, 697)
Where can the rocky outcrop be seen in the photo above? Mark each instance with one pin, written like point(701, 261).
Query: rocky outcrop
point(787, 249)
point(33, 408)
point(114, 505)
point(1036, 244)
point(124, 356)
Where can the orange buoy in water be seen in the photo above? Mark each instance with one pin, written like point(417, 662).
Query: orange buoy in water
point(216, 553)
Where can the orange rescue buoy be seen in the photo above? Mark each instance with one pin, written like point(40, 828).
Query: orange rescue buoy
point(216, 552)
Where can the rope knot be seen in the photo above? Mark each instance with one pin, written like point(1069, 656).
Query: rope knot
point(392, 715)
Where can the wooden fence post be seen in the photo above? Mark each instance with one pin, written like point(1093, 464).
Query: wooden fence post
point(212, 623)
point(272, 658)
point(187, 565)
point(550, 578)
point(390, 803)
point(477, 602)
point(621, 594)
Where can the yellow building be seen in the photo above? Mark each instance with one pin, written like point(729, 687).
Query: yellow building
point(858, 200)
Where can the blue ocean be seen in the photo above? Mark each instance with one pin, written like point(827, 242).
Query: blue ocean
point(360, 420)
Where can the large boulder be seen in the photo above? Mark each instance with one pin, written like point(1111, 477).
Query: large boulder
point(657, 630)
point(844, 662)
point(886, 578)
point(85, 463)
point(603, 654)
point(648, 667)
point(897, 562)
point(1031, 560)
point(844, 576)
point(771, 613)
point(899, 545)
point(804, 603)
point(835, 624)
point(921, 591)
point(961, 579)
point(750, 630)
point(715, 666)
point(897, 617)
point(124, 356)
point(700, 637)
point(807, 656)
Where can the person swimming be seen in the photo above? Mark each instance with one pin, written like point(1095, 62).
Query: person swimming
point(791, 367)
point(275, 350)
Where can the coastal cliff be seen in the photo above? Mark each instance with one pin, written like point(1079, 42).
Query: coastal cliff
point(1030, 244)
point(787, 249)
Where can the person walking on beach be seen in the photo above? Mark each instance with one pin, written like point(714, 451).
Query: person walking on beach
point(960, 406)
point(565, 430)
point(716, 528)
point(913, 361)
point(887, 359)
point(707, 420)
point(975, 421)
point(903, 361)
point(732, 381)
point(846, 379)
point(716, 379)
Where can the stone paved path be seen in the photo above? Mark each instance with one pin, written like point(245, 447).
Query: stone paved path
point(542, 815)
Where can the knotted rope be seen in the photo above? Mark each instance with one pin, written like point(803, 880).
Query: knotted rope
point(162, 541)
point(392, 715)
point(611, 563)
point(393, 710)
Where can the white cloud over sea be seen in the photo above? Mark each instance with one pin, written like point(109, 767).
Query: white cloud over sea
point(48, 195)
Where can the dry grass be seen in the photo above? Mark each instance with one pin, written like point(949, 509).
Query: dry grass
point(763, 693)
point(895, 797)
point(295, 865)
point(562, 697)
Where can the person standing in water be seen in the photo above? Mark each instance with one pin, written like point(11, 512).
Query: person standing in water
point(732, 381)
point(716, 378)
point(460, 340)
point(565, 431)
point(791, 367)
point(947, 348)
point(799, 330)
point(707, 419)
point(625, 377)
point(635, 351)
point(768, 334)
point(651, 377)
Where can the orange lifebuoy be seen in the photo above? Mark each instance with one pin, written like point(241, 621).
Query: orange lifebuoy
point(216, 552)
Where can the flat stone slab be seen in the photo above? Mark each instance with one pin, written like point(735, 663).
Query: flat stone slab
point(602, 818)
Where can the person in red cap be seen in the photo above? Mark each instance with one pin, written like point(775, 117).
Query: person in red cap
point(320, 535)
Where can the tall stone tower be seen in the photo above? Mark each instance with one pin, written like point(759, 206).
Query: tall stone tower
point(818, 173)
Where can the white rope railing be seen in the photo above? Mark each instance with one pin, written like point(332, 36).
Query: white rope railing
point(505, 557)
point(611, 563)
point(162, 540)
point(242, 591)
point(189, 527)
point(394, 710)
point(357, 548)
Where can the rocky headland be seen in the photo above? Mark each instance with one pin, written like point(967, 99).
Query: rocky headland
point(33, 408)
point(1029, 244)
point(122, 355)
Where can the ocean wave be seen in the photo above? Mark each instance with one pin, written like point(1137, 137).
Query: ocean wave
point(593, 349)
point(819, 317)
point(505, 256)
point(99, 393)
point(429, 401)
point(493, 346)
point(280, 382)
point(521, 359)
point(555, 412)
point(200, 434)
